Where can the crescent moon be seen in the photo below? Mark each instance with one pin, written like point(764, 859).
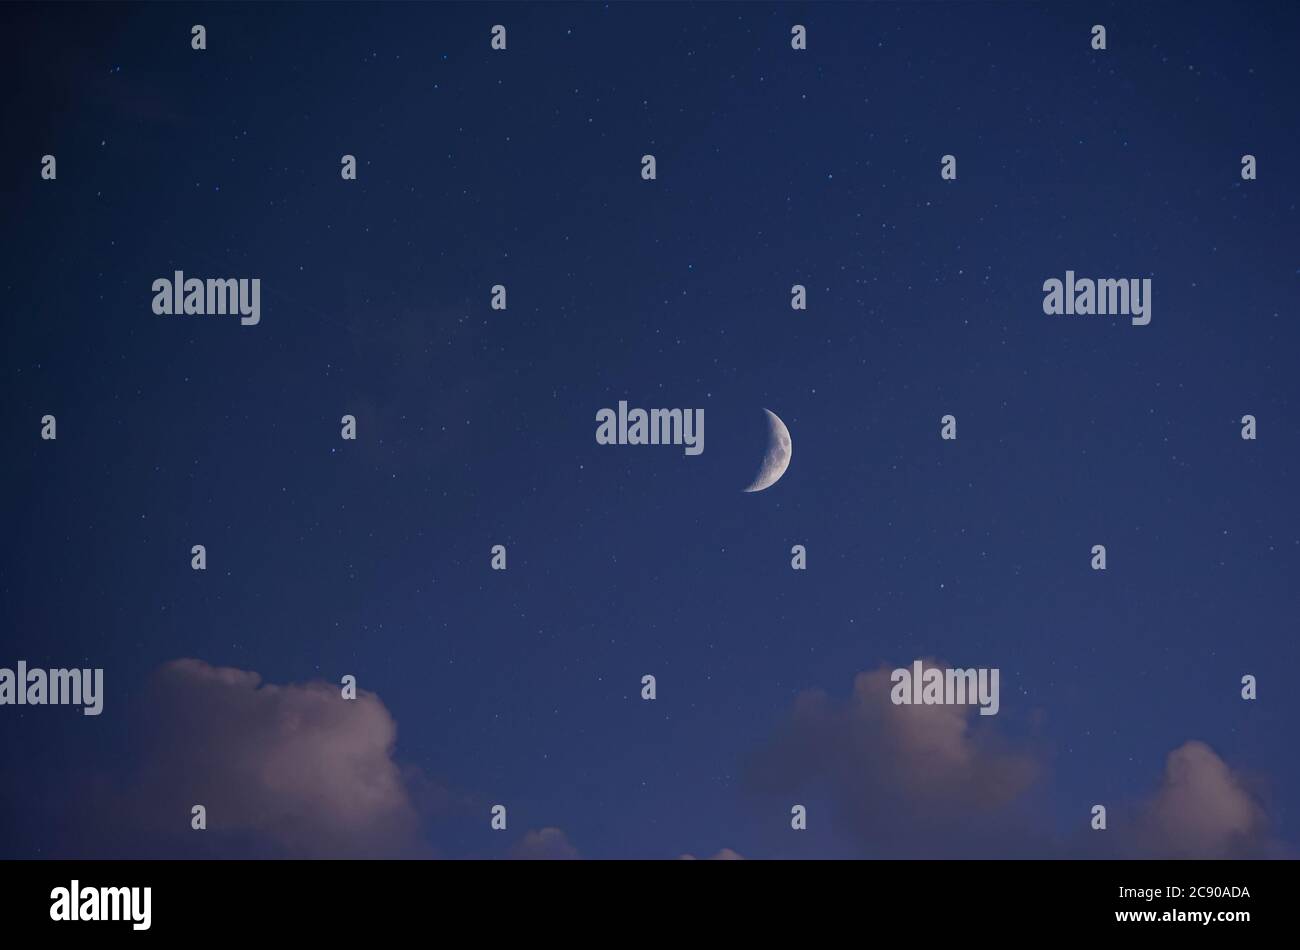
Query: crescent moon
point(777, 459)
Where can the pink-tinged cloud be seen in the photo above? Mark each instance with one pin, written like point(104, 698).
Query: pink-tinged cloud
point(726, 854)
point(938, 781)
point(941, 754)
point(901, 780)
point(548, 844)
point(295, 765)
point(1202, 809)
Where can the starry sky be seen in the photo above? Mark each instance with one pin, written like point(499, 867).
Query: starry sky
point(476, 427)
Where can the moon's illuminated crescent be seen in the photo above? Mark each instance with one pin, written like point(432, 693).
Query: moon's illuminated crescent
point(777, 459)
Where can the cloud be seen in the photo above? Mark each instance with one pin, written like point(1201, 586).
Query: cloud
point(549, 844)
point(1202, 809)
point(903, 780)
point(938, 781)
point(297, 771)
point(726, 854)
point(297, 766)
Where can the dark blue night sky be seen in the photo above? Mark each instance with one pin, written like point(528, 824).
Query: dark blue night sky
point(476, 427)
